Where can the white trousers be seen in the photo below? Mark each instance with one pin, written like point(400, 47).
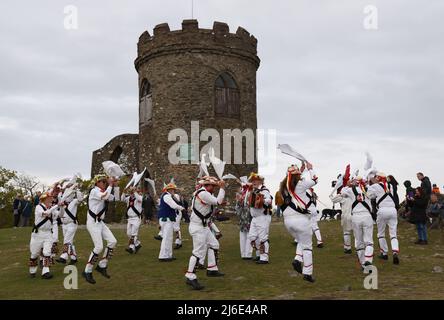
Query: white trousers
point(176, 228)
point(41, 240)
point(69, 231)
point(55, 232)
point(203, 240)
point(160, 227)
point(100, 232)
point(363, 232)
point(132, 231)
point(246, 249)
point(347, 230)
point(166, 246)
point(258, 235)
point(300, 228)
point(387, 217)
point(315, 226)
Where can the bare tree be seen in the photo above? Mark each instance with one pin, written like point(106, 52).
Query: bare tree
point(28, 184)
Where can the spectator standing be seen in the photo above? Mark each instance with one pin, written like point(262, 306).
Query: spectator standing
point(418, 206)
point(17, 210)
point(409, 193)
point(26, 211)
point(37, 199)
point(425, 183)
point(435, 211)
point(148, 207)
point(435, 189)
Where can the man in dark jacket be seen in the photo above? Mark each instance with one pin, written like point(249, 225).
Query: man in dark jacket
point(17, 210)
point(26, 211)
point(148, 207)
point(426, 185)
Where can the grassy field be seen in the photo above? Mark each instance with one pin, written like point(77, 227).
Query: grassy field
point(141, 276)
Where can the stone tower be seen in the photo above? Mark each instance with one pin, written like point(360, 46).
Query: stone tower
point(192, 75)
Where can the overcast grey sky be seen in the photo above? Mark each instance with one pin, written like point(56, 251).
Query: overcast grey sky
point(331, 88)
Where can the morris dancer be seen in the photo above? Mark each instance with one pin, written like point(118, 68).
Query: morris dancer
point(203, 239)
point(346, 219)
point(167, 215)
point(41, 236)
point(362, 220)
point(312, 197)
point(176, 224)
point(69, 227)
point(134, 201)
point(259, 202)
point(387, 215)
point(297, 217)
point(104, 190)
point(243, 212)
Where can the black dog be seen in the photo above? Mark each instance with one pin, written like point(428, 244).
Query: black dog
point(331, 214)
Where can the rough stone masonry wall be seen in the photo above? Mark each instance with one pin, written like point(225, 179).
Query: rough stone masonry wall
point(182, 67)
point(128, 158)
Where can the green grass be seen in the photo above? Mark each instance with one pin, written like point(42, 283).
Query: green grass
point(141, 276)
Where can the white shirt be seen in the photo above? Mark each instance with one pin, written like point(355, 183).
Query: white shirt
point(203, 203)
point(72, 207)
point(376, 191)
point(137, 204)
point(96, 201)
point(40, 214)
point(256, 212)
point(168, 199)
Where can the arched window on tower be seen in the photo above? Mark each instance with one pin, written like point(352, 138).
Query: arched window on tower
point(227, 96)
point(145, 103)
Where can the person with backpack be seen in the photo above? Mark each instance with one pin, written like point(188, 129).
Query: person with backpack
point(387, 215)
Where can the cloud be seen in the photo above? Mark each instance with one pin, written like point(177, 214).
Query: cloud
point(329, 87)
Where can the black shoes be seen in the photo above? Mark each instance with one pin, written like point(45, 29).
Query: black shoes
point(103, 272)
point(167, 259)
point(367, 263)
point(158, 238)
point(383, 256)
point(47, 275)
point(257, 258)
point(214, 273)
point(297, 265)
point(129, 250)
point(247, 258)
point(421, 242)
point(395, 258)
point(194, 284)
point(261, 262)
point(178, 246)
point(320, 245)
point(61, 260)
point(89, 277)
point(309, 278)
point(348, 251)
point(138, 248)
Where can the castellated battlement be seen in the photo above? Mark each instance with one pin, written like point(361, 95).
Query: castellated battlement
point(192, 39)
